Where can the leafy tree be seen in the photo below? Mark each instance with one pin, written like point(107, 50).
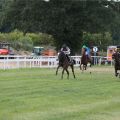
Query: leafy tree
point(65, 20)
point(102, 40)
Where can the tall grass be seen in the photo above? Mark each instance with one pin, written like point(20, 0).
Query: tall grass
point(37, 94)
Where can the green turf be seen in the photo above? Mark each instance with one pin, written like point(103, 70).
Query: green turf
point(37, 94)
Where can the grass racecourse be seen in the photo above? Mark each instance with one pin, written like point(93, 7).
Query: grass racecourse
point(38, 94)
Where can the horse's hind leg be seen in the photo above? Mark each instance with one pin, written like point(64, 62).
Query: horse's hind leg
point(62, 73)
point(116, 74)
point(67, 73)
point(80, 67)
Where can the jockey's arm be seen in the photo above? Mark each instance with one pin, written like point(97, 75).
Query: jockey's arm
point(68, 51)
point(61, 49)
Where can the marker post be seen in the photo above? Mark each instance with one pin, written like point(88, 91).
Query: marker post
point(95, 49)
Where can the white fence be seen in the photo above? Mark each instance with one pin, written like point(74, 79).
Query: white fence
point(10, 62)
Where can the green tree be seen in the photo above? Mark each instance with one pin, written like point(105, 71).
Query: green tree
point(65, 20)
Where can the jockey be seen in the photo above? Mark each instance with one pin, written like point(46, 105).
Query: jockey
point(66, 51)
point(86, 50)
point(118, 49)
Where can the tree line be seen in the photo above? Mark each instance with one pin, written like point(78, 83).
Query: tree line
point(74, 22)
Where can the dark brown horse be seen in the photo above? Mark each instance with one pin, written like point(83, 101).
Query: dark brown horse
point(65, 63)
point(85, 59)
point(116, 58)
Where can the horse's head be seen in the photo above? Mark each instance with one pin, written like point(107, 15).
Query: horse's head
point(61, 57)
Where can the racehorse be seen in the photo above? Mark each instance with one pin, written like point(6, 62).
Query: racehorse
point(116, 58)
point(85, 59)
point(65, 63)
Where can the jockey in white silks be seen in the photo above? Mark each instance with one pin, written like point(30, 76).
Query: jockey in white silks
point(66, 51)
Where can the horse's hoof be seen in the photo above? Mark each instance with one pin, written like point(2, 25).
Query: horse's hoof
point(90, 72)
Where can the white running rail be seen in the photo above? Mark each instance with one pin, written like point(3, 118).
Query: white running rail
point(10, 62)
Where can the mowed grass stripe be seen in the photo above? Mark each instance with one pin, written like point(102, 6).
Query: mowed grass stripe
point(37, 94)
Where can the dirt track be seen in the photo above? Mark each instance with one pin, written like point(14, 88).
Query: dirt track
point(101, 69)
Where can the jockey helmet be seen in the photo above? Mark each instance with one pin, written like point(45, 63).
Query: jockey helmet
point(64, 45)
point(118, 49)
point(84, 46)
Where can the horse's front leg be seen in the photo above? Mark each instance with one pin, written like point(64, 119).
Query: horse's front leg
point(67, 73)
point(90, 64)
point(85, 67)
point(82, 67)
point(62, 73)
point(116, 74)
point(57, 69)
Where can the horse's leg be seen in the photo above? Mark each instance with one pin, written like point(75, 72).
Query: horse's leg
point(72, 67)
point(80, 67)
point(62, 73)
point(67, 73)
point(90, 63)
point(90, 60)
point(57, 69)
point(116, 74)
point(84, 67)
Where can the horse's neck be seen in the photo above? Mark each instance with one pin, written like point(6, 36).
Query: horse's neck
point(84, 55)
point(62, 57)
point(83, 51)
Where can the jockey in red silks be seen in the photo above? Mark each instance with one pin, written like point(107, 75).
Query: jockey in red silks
point(66, 51)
